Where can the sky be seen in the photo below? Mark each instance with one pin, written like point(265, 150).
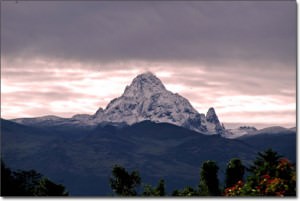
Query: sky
point(72, 57)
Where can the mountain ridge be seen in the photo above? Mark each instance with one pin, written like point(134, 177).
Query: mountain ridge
point(146, 98)
point(159, 150)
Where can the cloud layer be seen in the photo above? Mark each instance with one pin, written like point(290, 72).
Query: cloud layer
point(72, 57)
point(209, 32)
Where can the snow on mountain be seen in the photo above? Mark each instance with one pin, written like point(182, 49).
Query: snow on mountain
point(251, 131)
point(238, 132)
point(39, 120)
point(146, 98)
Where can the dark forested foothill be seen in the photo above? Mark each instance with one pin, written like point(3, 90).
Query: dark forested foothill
point(28, 183)
point(269, 175)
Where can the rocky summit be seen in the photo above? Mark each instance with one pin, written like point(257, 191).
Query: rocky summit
point(146, 98)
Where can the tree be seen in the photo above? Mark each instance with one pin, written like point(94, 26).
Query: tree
point(209, 183)
point(234, 172)
point(123, 183)
point(48, 188)
point(28, 183)
point(161, 188)
point(264, 164)
point(270, 175)
point(7, 181)
point(158, 191)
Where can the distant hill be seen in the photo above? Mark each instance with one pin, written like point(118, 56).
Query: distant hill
point(83, 161)
point(285, 143)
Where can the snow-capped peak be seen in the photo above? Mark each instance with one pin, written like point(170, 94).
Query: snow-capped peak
point(146, 98)
point(144, 84)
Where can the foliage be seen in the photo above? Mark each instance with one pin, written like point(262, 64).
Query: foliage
point(209, 183)
point(265, 163)
point(47, 187)
point(158, 191)
point(8, 186)
point(270, 176)
point(28, 183)
point(123, 183)
point(234, 172)
point(234, 190)
point(187, 191)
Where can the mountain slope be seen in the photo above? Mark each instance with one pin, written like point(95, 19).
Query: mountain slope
point(248, 131)
point(158, 150)
point(147, 99)
point(281, 139)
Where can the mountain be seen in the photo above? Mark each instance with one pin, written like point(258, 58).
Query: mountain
point(238, 132)
point(246, 131)
point(275, 130)
point(147, 128)
point(146, 98)
point(83, 162)
point(213, 123)
point(285, 142)
point(293, 129)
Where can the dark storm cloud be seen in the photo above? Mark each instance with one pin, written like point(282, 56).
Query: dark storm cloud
point(209, 32)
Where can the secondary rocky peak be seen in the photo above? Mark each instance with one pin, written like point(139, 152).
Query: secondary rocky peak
point(144, 84)
point(211, 116)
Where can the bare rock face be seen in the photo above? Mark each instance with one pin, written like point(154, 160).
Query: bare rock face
point(146, 98)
